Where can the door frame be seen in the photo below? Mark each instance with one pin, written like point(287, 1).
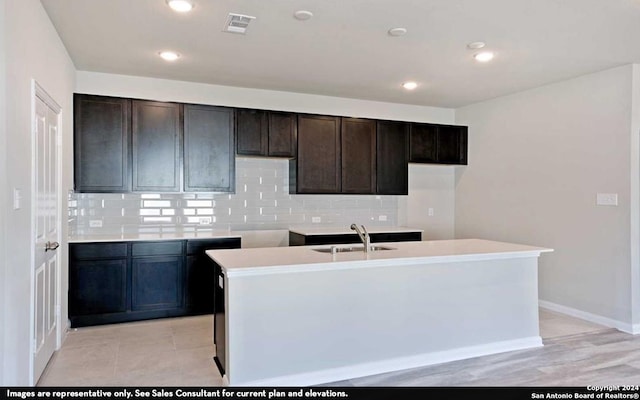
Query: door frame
point(37, 91)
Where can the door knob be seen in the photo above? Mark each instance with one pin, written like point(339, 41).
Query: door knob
point(51, 246)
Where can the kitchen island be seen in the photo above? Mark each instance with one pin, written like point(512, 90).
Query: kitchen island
point(296, 316)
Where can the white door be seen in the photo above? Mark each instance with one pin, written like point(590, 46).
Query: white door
point(45, 232)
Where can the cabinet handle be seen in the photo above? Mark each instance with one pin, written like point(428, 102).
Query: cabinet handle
point(51, 246)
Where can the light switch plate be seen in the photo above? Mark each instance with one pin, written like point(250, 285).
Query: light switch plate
point(17, 197)
point(607, 199)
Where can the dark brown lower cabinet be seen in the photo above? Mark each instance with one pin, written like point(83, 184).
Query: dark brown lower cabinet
point(99, 287)
point(200, 271)
point(297, 239)
point(157, 283)
point(115, 282)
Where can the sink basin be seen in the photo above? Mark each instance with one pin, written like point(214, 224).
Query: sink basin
point(350, 249)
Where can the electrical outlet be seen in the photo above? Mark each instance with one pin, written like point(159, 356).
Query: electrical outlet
point(607, 199)
point(316, 220)
point(430, 212)
point(95, 223)
point(382, 217)
point(205, 220)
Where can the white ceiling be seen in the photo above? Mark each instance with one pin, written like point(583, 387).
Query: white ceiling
point(345, 51)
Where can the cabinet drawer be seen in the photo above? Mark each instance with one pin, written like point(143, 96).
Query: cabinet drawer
point(195, 247)
point(156, 248)
point(92, 251)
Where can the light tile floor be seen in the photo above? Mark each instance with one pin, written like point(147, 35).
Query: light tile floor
point(165, 352)
point(179, 352)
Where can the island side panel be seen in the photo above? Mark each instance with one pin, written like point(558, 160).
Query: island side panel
point(304, 328)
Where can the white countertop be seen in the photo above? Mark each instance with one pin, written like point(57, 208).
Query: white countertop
point(130, 237)
point(259, 261)
point(342, 230)
point(221, 234)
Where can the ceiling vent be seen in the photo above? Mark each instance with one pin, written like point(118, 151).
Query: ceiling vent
point(237, 23)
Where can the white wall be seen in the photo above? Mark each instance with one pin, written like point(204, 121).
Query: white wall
point(3, 184)
point(189, 92)
point(635, 199)
point(428, 184)
point(33, 51)
point(537, 159)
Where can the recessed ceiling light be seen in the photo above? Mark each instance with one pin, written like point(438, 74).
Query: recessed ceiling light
point(410, 85)
point(476, 45)
point(303, 15)
point(397, 31)
point(169, 55)
point(180, 5)
point(484, 56)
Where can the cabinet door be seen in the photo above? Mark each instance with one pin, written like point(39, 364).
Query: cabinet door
point(392, 169)
point(358, 156)
point(200, 282)
point(452, 144)
point(97, 286)
point(157, 136)
point(423, 143)
point(318, 160)
point(209, 159)
point(156, 283)
point(283, 131)
point(102, 133)
point(252, 132)
point(200, 273)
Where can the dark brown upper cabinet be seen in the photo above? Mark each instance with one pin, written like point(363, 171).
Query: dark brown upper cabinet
point(131, 145)
point(102, 137)
point(266, 133)
point(283, 133)
point(209, 162)
point(358, 154)
point(317, 168)
point(438, 144)
point(423, 142)
point(157, 146)
point(392, 150)
point(252, 132)
point(452, 144)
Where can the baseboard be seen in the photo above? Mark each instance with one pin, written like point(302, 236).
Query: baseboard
point(598, 319)
point(395, 364)
point(64, 333)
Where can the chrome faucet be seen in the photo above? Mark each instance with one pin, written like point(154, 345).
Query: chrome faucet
point(364, 236)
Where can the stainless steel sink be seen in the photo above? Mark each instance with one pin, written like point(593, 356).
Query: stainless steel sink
point(349, 249)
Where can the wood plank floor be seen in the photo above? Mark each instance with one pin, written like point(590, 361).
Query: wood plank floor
point(178, 352)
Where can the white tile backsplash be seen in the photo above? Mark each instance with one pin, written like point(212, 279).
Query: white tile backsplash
point(261, 202)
